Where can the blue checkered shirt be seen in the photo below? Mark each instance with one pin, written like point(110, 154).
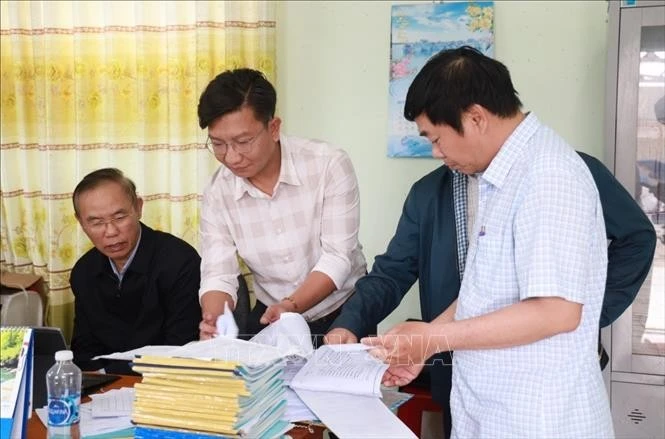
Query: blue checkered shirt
point(539, 233)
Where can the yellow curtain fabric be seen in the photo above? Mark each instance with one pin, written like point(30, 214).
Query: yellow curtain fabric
point(89, 84)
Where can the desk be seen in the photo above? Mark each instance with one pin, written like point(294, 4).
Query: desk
point(37, 430)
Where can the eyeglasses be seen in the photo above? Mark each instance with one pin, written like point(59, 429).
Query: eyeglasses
point(239, 146)
point(98, 225)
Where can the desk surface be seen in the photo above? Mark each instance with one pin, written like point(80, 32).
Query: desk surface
point(37, 430)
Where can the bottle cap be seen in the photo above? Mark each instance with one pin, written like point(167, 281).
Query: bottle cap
point(64, 356)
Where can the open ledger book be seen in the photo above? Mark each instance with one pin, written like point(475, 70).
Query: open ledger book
point(342, 369)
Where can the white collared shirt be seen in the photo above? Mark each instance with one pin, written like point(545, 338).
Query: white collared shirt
point(310, 223)
point(121, 274)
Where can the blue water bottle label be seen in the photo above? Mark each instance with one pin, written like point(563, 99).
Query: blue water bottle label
point(64, 411)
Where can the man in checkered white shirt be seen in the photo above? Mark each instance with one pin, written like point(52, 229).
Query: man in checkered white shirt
point(524, 328)
point(289, 207)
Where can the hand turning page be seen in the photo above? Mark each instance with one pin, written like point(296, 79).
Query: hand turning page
point(226, 324)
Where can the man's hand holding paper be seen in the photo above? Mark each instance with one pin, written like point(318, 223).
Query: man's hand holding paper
point(226, 323)
point(274, 312)
point(213, 304)
point(405, 348)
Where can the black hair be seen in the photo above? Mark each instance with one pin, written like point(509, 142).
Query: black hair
point(453, 80)
point(233, 89)
point(96, 178)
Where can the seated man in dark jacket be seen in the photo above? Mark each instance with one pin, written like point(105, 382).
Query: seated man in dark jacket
point(137, 286)
point(429, 245)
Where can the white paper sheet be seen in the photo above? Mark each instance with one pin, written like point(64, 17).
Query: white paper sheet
point(145, 350)
point(355, 416)
point(349, 347)
point(115, 402)
point(223, 348)
point(296, 410)
point(226, 323)
point(290, 334)
point(92, 426)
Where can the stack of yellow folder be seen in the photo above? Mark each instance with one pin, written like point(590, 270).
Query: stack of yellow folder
point(210, 396)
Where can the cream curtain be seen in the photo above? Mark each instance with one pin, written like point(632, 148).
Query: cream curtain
point(90, 84)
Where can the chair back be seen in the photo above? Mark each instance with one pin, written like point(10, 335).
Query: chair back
point(24, 308)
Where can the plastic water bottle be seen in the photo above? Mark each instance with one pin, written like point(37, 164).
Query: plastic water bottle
point(63, 382)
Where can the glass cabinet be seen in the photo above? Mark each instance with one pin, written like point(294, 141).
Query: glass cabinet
point(635, 150)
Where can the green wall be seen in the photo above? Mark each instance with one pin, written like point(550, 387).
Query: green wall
point(332, 79)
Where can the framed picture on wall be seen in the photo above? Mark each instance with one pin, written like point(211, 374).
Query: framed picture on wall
point(419, 31)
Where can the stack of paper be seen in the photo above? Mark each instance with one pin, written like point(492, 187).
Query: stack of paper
point(114, 403)
point(296, 409)
point(220, 386)
point(291, 336)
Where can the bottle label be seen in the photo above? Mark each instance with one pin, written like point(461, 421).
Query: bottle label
point(64, 411)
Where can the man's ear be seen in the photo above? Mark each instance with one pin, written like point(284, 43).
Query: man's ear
point(139, 207)
point(274, 127)
point(477, 118)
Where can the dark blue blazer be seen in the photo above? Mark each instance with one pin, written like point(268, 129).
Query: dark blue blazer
point(424, 248)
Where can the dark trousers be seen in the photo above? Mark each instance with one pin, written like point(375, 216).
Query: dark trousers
point(447, 422)
point(318, 328)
